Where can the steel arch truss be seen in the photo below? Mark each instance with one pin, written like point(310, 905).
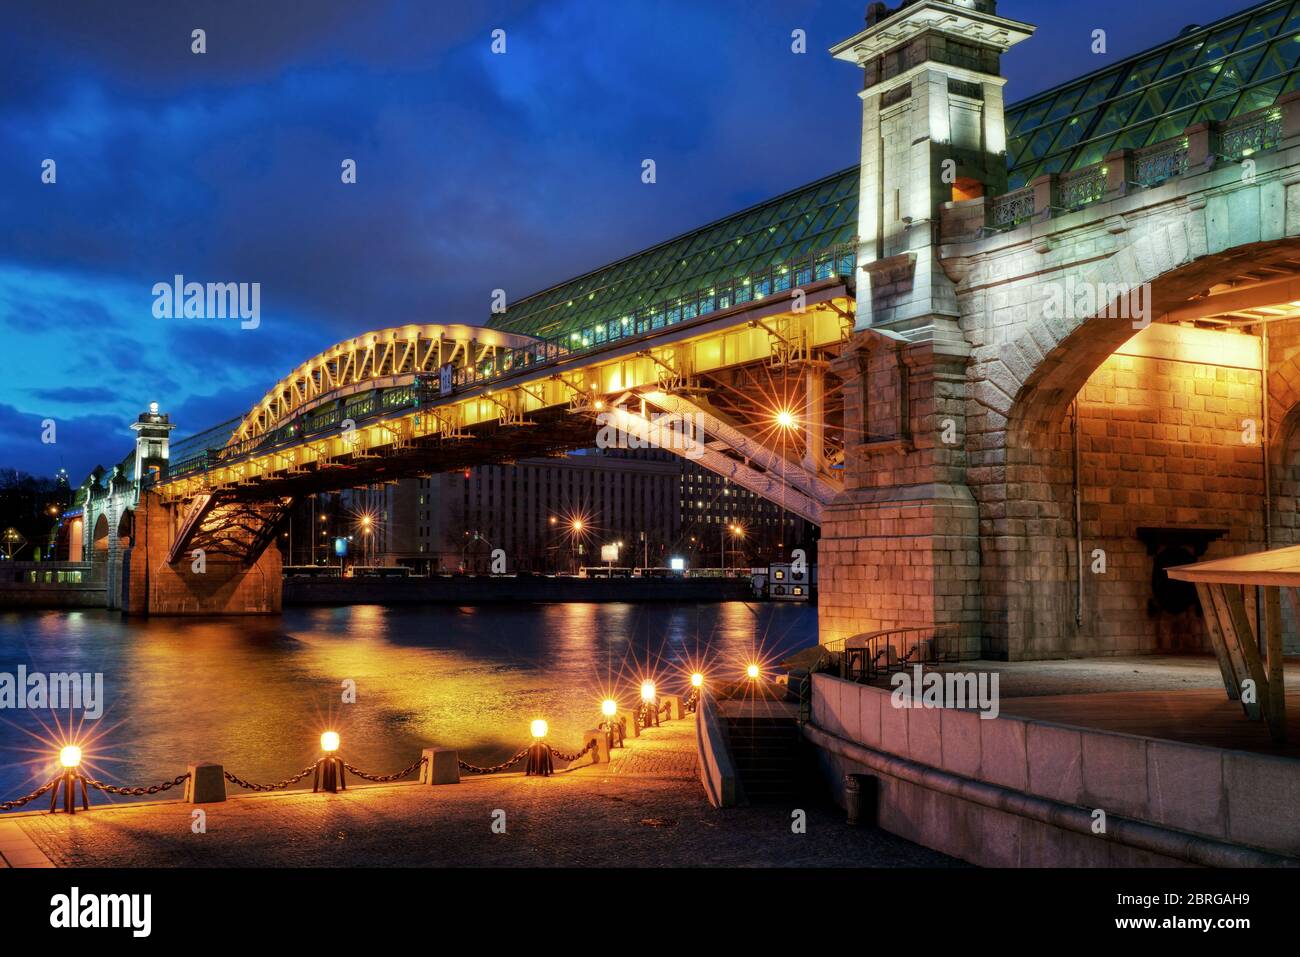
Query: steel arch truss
point(376, 358)
point(235, 528)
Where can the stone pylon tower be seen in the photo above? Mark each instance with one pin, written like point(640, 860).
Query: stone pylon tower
point(152, 439)
point(901, 547)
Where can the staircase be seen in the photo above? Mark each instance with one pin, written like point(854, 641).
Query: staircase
point(767, 755)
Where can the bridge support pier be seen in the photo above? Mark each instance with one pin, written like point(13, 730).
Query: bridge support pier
point(900, 547)
point(210, 584)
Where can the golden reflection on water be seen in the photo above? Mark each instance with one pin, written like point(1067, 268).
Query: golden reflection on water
point(255, 693)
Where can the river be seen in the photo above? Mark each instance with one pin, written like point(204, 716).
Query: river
point(254, 694)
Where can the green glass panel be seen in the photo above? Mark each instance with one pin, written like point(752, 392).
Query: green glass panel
point(1032, 116)
point(1040, 143)
point(1221, 43)
point(1117, 114)
point(1053, 164)
point(1093, 152)
point(1140, 74)
point(1073, 130)
point(1064, 104)
point(1258, 97)
point(1262, 28)
point(1193, 89)
point(1236, 72)
point(1216, 110)
point(1181, 59)
point(1134, 137)
point(1279, 59)
point(1172, 126)
point(1292, 23)
point(1097, 91)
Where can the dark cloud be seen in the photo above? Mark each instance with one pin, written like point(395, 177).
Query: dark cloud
point(475, 171)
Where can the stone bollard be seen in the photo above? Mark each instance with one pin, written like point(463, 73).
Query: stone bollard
point(674, 703)
point(630, 730)
point(441, 766)
point(206, 783)
point(600, 751)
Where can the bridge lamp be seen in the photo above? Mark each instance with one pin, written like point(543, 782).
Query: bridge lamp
point(539, 729)
point(752, 671)
point(609, 707)
point(697, 680)
point(785, 419)
point(70, 757)
point(647, 691)
point(329, 742)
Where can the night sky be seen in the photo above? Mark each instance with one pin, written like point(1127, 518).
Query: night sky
point(475, 171)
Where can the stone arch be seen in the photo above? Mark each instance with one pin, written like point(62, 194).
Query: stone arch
point(1143, 466)
point(100, 537)
point(125, 528)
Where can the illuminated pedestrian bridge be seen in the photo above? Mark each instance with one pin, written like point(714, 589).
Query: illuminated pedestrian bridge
point(1015, 361)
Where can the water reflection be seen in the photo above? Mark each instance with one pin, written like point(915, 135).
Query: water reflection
point(255, 693)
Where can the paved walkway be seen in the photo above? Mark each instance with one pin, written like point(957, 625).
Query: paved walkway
point(645, 808)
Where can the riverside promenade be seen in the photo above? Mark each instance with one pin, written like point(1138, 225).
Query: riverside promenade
point(645, 808)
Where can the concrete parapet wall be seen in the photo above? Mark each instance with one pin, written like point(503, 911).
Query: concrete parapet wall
point(717, 770)
point(1166, 803)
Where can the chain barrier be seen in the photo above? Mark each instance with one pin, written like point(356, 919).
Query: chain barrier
point(576, 754)
point(28, 798)
point(385, 778)
point(278, 786)
point(136, 792)
point(281, 785)
point(511, 762)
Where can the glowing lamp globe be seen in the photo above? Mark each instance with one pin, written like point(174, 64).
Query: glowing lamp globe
point(539, 728)
point(784, 419)
point(70, 756)
point(752, 671)
point(609, 707)
point(697, 680)
point(329, 741)
point(647, 691)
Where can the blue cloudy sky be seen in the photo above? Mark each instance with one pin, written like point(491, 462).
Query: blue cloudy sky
point(475, 171)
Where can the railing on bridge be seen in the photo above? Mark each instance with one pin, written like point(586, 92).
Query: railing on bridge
point(1146, 168)
point(834, 262)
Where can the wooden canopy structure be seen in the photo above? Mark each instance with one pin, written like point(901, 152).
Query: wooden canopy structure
point(1252, 668)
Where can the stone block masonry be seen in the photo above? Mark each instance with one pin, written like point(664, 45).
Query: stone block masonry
point(224, 587)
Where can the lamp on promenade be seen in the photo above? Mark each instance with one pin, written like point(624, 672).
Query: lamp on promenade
point(649, 713)
point(329, 769)
point(70, 759)
point(697, 685)
point(611, 725)
point(539, 754)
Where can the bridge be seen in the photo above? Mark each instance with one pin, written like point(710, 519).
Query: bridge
point(1015, 361)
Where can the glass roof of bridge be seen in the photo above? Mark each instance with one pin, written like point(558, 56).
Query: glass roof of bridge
point(783, 229)
point(214, 437)
point(1236, 65)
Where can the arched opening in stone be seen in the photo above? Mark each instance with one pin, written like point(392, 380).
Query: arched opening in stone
point(71, 541)
point(1130, 447)
point(100, 540)
point(125, 529)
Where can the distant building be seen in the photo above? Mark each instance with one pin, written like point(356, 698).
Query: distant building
point(549, 515)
